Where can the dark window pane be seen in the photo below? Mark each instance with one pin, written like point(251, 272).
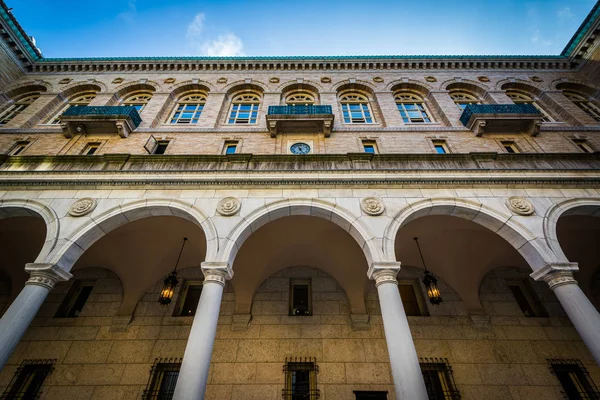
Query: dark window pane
point(231, 149)
point(192, 298)
point(409, 300)
point(522, 300)
point(369, 148)
point(82, 297)
point(440, 149)
point(161, 147)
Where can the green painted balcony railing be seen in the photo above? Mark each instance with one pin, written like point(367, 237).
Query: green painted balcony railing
point(482, 109)
point(297, 110)
point(106, 111)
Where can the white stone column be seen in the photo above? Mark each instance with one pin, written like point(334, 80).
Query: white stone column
point(193, 375)
point(21, 312)
point(578, 307)
point(406, 371)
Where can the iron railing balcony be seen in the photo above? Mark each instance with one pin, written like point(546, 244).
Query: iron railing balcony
point(100, 119)
point(300, 119)
point(502, 118)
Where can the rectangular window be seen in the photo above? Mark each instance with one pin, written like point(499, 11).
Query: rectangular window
point(440, 146)
point(28, 379)
point(230, 147)
point(510, 146)
point(412, 300)
point(19, 147)
point(300, 379)
point(363, 395)
point(583, 145)
point(300, 297)
point(163, 378)
point(76, 297)
point(438, 378)
point(90, 149)
point(574, 379)
point(189, 296)
point(161, 147)
point(527, 299)
point(369, 146)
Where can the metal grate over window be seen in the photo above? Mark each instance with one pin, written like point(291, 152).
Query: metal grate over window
point(29, 377)
point(438, 378)
point(163, 378)
point(300, 379)
point(574, 379)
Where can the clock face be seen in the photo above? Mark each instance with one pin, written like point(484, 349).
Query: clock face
point(300, 148)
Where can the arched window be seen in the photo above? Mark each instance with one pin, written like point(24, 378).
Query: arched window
point(463, 99)
point(356, 109)
point(79, 101)
point(582, 102)
point(522, 98)
point(412, 108)
point(300, 99)
point(188, 109)
point(17, 107)
point(138, 100)
point(244, 109)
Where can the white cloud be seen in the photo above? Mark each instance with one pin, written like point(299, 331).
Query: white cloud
point(537, 39)
point(226, 45)
point(195, 28)
point(131, 12)
point(565, 13)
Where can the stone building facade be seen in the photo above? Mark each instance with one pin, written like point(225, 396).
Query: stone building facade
point(300, 184)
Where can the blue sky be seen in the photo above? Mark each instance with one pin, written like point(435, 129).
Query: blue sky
point(132, 28)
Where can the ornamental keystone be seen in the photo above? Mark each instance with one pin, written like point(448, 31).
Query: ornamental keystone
point(372, 206)
point(228, 206)
point(82, 207)
point(520, 205)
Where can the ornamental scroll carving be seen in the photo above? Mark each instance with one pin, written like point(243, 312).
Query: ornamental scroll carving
point(228, 206)
point(82, 207)
point(372, 206)
point(520, 205)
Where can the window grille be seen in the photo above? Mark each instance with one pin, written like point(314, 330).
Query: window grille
point(188, 109)
point(587, 106)
point(244, 109)
point(370, 395)
point(163, 378)
point(356, 109)
point(138, 100)
point(18, 107)
point(575, 379)
point(29, 377)
point(300, 379)
point(463, 99)
point(438, 378)
point(80, 101)
point(412, 108)
point(75, 300)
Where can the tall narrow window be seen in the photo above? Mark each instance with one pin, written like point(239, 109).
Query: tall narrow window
point(188, 300)
point(527, 299)
point(75, 300)
point(230, 147)
point(19, 147)
point(163, 378)
point(522, 98)
point(188, 109)
point(300, 379)
point(369, 146)
point(300, 297)
point(440, 146)
point(90, 149)
point(356, 109)
point(244, 109)
point(463, 99)
point(138, 100)
point(439, 380)
point(28, 380)
point(412, 108)
point(17, 107)
point(574, 379)
point(583, 145)
point(587, 106)
point(510, 146)
point(79, 101)
point(412, 300)
point(161, 147)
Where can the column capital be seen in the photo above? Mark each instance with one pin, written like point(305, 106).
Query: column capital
point(46, 275)
point(384, 272)
point(216, 272)
point(556, 274)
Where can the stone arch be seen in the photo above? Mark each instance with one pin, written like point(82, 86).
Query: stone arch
point(358, 85)
point(315, 86)
point(27, 87)
point(294, 86)
point(421, 88)
point(575, 85)
point(130, 87)
point(520, 85)
point(188, 85)
point(18, 208)
point(312, 207)
point(239, 86)
point(85, 86)
point(86, 235)
point(472, 87)
point(531, 248)
point(589, 206)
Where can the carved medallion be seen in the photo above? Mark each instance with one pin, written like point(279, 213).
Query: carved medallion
point(118, 80)
point(536, 79)
point(274, 80)
point(170, 80)
point(222, 80)
point(483, 79)
point(520, 205)
point(64, 81)
point(228, 206)
point(378, 79)
point(82, 207)
point(326, 79)
point(372, 205)
point(430, 79)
